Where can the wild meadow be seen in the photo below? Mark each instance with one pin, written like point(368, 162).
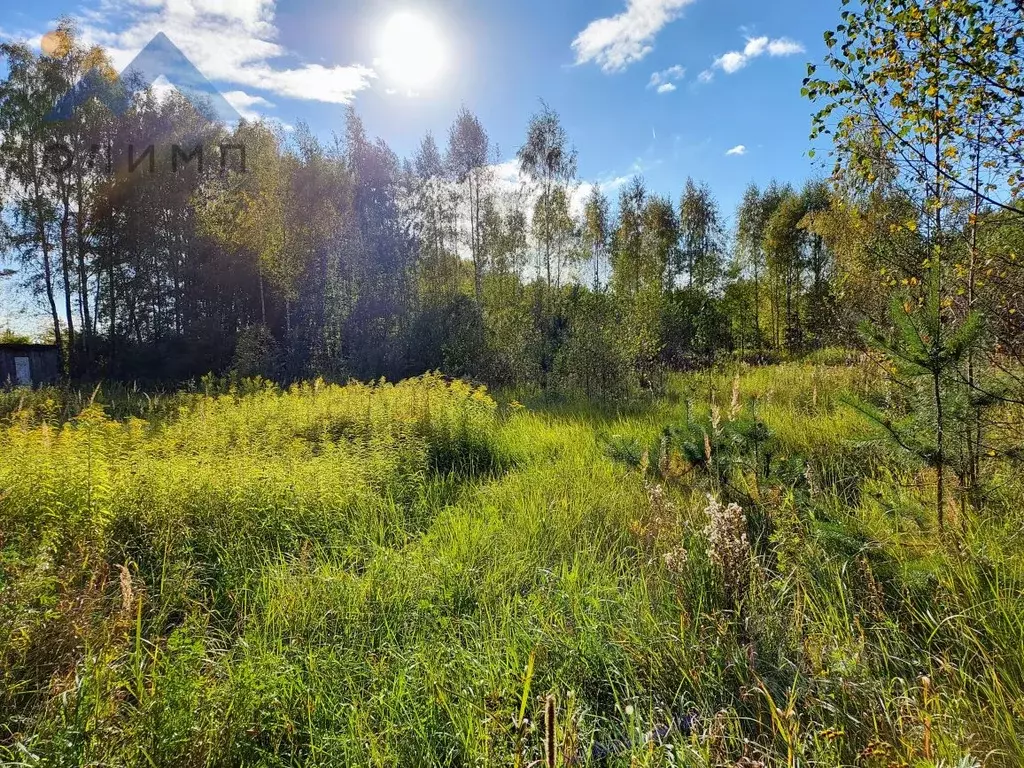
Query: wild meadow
point(745, 489)
point(737, 573)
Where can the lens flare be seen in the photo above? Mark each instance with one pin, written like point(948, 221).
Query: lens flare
point(412, 53)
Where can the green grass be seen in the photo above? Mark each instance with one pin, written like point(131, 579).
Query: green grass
point(400, 574)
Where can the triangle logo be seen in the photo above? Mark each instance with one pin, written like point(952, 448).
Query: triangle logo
point(159, 58)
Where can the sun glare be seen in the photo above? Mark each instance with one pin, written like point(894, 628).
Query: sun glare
point(412, 53)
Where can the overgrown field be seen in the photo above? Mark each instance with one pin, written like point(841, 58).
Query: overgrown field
point(738, 573)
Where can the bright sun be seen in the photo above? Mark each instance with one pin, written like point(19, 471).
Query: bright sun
point(411, 51)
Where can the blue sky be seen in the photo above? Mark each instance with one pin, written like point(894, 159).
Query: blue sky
point(664, 88)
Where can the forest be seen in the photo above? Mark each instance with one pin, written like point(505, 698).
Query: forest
point(291, 258)
point(369, 460)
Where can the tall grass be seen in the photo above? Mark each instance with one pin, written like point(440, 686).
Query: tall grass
point(404, 574)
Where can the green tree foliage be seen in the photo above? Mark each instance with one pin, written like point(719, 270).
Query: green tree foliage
point(598, 358)
point(702, 235)
point(930, 82)
point(919, 97)
point(435, 207)
point(548, 160)
point(467, 159)
point(597, 231)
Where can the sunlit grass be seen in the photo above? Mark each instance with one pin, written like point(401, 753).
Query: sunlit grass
point(394, 574)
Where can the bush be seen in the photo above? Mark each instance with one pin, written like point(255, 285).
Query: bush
point(593, 360)
point(256, 354)
point(693, 328)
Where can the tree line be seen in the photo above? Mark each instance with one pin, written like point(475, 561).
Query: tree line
point(338, 258)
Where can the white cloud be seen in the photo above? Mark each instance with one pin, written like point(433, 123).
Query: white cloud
point(243, 103)
point(511, 188)
point(408, 93)
point(230, 41)
point(162, 89)
point(612, 184)
point(739, 149)
point(508, 172)
point(607, 187)
point(313, 82)
point(287, 127)
point(615, 42)
point(243, 100)
point(784, 47)
point(509, 181)
point(755, 47)
point(663, 81)
point(10, 36)
point(734, 61)
point(731, 62)
point(666, 75)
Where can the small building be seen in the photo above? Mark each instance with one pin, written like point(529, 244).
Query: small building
point(29, 365)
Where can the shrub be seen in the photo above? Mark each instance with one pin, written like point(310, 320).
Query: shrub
point(256, 354)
